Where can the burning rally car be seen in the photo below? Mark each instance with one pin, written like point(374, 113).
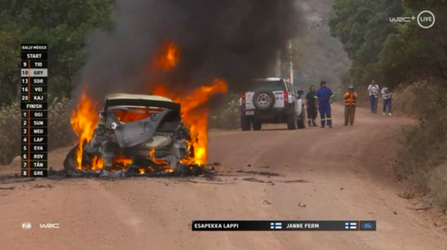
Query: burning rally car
point(135, 135)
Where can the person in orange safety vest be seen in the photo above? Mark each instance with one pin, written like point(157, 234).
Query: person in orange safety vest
point(350, 105)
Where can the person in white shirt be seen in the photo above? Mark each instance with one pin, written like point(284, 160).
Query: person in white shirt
point(373, 90)
point(387, 101)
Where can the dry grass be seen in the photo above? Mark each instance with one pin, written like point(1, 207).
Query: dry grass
point(227, 116)
point(424, 154)
point(59, 129)
point(437, 184)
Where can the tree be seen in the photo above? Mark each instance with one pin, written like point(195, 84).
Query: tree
point(363, 26)
point(63, 25)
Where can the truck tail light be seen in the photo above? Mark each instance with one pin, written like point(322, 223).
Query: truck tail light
point(286, 97)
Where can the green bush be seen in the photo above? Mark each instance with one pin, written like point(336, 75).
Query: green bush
point(9, 132)
point(228, 115)
point(59, 129)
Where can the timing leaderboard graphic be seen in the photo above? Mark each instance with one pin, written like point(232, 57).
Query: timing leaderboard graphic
point(33, 81)
point(281, 225)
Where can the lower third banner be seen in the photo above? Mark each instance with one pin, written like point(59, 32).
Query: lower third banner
point(281, 225)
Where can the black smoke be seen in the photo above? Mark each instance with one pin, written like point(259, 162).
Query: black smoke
point(233, 39)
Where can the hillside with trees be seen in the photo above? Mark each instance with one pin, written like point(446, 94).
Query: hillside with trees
point(317, 55)
point(413, 62)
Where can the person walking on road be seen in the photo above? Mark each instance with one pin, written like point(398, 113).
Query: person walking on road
point(387, 101)
point(350, 105)
point(373, 90)
point(323, 100)
point(311, 107)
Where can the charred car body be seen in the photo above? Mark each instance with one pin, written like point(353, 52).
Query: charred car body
point(135, 135)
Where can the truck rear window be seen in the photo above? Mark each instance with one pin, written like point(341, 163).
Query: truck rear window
point(267, 85)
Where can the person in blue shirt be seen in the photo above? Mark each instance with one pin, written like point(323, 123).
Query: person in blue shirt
point(323, 98)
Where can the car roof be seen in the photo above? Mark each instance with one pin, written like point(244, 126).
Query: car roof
point(270, 79)
point(118, 96)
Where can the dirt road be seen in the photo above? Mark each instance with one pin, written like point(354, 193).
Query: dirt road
point(314, 174)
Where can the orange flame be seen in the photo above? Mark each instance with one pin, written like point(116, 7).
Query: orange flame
point(169, 58)
point(83, 121)
point(195, 116)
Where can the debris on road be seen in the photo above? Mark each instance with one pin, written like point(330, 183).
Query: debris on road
point(266, 202)
point(295, 181)
point(6, 179)
point(42, 186)
point(253, 179)
point(301, 204)
point(419, 208)
point(7, 188)
point(259, 173)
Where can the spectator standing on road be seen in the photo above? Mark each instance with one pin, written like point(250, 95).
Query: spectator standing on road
point(311, 107)
point(387, 101)
point(373, 90)
point(323, 100)
point(350, 105)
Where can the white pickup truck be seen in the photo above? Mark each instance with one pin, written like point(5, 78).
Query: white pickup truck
point(272, 100)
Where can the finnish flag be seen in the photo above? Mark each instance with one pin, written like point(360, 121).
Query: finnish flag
point(275, 225)
point(351, 225)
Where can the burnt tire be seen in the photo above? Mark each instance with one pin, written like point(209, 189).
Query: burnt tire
point(291, 121)
point(264, 100)
point(301, 122)
point(70, 162)
point(257, 125)
point(245, 123)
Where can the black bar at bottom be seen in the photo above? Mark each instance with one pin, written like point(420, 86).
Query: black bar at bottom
point(281, 225)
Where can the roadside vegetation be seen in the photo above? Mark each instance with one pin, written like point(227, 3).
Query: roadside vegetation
point(227, 115)
point(423, 159)
point(407, 59)
point(59, 129)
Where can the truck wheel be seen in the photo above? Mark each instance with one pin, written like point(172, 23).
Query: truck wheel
point(301, 122)
point(291, 121)
point(245, 123)
point(257, 125)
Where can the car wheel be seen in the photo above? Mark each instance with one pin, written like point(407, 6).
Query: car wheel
point(257, 125)
point(291, 121)
point(70, 162)
point(245, 123)
point(264, 100)
point(301, 122)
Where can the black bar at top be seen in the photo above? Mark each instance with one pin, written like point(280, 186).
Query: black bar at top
point(281, 225)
